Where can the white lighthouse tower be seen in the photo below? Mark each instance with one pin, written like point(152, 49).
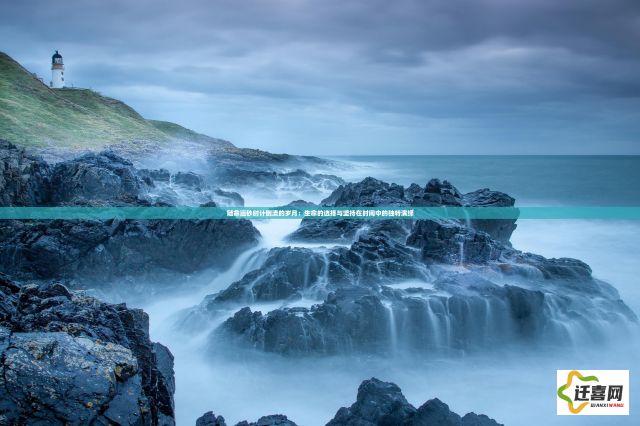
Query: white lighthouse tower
point(57, 71)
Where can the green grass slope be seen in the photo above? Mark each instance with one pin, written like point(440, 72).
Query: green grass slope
point(178, 132)
point(34, 115)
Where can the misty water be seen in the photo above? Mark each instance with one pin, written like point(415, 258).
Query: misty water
point(514, 386)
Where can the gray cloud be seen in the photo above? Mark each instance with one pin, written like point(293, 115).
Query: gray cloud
point(347, 77)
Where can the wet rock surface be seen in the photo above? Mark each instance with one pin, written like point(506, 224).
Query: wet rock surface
point(101, 176)
point(24, 178)
point(85, 249)
point(426, 287)
point(372, 192)
point(378, 403)
point(113, 248)
point(423, 286)
point(382, 403)
point(72, 358)
point(267, 173)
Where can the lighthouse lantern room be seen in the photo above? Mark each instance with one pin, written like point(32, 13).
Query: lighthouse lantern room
point(57, 71)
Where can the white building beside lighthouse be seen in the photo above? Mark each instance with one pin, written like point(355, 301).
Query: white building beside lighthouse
point(57, 71)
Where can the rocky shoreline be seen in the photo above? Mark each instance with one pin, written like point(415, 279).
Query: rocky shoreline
point(378, 403)
point(375, 288)
point(69, 358)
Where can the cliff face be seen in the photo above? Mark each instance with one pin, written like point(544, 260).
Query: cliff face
point(72, 358)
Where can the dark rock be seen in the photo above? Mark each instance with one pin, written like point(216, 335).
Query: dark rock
point(103, 176)
point(189, 180)
point(347, 230)
point(344, 323)
point(301, 204)
point(444, 241)
point(369, 192)
point(557, 269)
point(436, 193)
point(210, 419)
point(228, 198)
point(157, 175)
point(272, 420)
point(291, 273)
point(285, 273)
point(499, 229)
point(104, 248)
point(112, 248)
point(326, 230)
point(378, 404)
point(297, 181)
point(185, 188)
point(70, 357)
point(435, 412)
point(382, 404)
point(473, 419)
point(441, 319)
point(374, 193)
point(24, 179)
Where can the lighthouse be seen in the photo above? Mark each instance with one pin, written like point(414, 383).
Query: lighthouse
point(57, 71)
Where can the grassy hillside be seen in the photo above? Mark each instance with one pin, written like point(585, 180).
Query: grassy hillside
point(32, 114)
point(176, 131)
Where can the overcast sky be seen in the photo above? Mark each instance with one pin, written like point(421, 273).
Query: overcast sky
point(338, 77)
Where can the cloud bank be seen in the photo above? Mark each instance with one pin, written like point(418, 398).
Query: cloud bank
point(357, 77)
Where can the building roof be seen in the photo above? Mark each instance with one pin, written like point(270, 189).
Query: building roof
point(56, 56)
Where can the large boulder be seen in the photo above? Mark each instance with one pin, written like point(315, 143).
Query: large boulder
point(72, 358)
point(24, 179)
point(106, 249)
point(446, 241)
point(95, 176)
point(457, 313)
point(271, 420)
point(184, 189)
point(290, 273)
point(372, 192)
point(378, 404)
point(116, 248)
point(210, 419)
point(499, 229)
point(369, 192)
point(382, 404)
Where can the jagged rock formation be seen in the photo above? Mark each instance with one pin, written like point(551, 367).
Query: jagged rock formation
point(291, 273)
point(382, 403)
point(72, 358)
point(468, 289)
point(23, 177)
point(210, 419)
point(104, 176)
point(372, 192)
point(185, 188)
point(104, 248)
point(269, 179)
point(378, 404)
